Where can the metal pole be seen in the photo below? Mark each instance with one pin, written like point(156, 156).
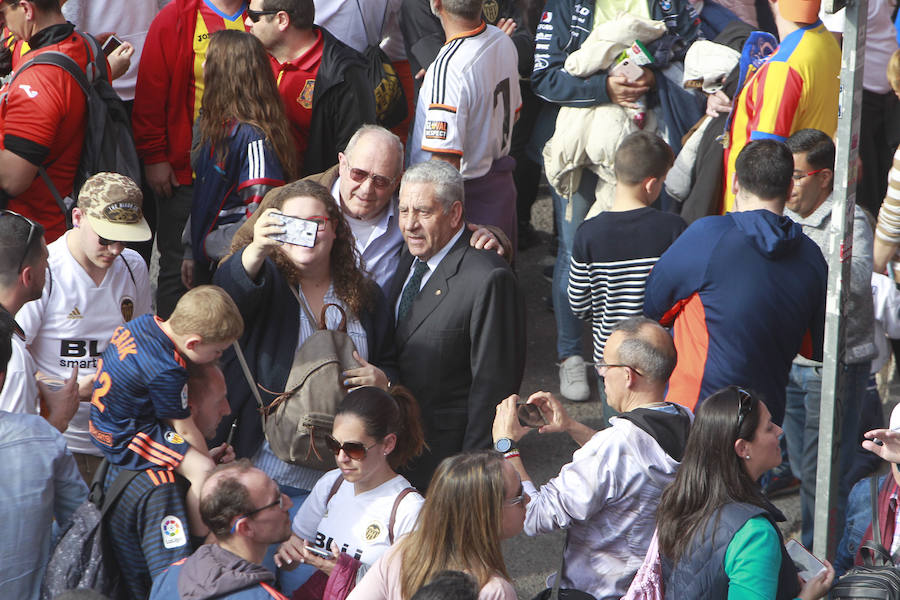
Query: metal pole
point(840, 248)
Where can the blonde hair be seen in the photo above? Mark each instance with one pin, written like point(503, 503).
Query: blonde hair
point(460, 523)
point(207, 311)
point(893, 71)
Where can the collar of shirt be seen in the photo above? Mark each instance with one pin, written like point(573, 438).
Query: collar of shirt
point(307, 61)
point(435, 260)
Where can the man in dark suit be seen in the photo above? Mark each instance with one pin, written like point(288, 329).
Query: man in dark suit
point(460, 319)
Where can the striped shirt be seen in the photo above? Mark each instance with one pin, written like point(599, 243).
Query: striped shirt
point(148, 526)
point(294, 475)
point(612, 256)
point(796, 88)
point(888, 229)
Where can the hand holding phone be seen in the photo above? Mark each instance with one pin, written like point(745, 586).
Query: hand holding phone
point(110, 45)
point(530, 415)
point(808, 566)
point(320, 552)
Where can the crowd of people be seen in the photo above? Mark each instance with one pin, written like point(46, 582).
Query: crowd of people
point(361, 174)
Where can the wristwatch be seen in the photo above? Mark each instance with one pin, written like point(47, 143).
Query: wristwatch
point(504, 445)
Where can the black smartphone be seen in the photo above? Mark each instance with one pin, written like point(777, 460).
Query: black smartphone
point(110, 45)
point(530, 415)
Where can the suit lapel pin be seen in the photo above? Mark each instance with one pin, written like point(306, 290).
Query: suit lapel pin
point(437, 292)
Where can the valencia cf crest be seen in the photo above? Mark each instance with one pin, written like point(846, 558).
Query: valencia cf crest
point(305, 98)
point(127, 308)
point(491, 10)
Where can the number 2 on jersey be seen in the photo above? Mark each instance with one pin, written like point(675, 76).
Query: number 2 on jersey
point(103, 388)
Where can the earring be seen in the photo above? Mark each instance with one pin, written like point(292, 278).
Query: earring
point(747, 457)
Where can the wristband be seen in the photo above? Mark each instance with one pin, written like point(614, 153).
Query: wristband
point(511, 454)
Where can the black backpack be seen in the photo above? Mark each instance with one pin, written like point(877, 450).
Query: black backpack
point(108, 140)
point(83, 558)
point(877, 578)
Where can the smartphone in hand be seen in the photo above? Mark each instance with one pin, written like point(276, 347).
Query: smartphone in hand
point(110, 45)
point(297, 231)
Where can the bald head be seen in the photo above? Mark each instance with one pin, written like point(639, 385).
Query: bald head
point(647, 347)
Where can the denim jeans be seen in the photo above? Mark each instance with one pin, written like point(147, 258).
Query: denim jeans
point(801, 430)
point(288, 581)
point(568, 326)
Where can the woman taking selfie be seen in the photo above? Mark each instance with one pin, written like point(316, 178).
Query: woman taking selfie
point(718, 536)
point(242, 148)
point(267, 279)
point(359, 509)
point(475, 500)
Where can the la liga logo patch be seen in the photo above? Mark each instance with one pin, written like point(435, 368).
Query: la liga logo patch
point(173, 533)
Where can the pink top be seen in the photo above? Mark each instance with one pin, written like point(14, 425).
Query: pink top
point(382, 582)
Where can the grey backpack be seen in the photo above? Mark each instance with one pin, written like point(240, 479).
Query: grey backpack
point(82, 557)
point(296, 421)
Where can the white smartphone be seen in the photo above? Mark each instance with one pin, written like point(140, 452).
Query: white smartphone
point(629, 69)
point(808, 566)
point(319, 552)
point(297, 231)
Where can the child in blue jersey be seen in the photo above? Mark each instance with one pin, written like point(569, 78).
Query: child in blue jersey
point(139, 413)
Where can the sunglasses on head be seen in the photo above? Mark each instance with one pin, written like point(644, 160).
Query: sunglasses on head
point(32, 230)
point(744, 407)
point(353, 450)
point(256, 15)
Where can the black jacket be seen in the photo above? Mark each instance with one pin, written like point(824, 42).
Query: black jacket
point(342, 102)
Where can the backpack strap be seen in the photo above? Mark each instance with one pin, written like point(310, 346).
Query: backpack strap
point(393, 518)
point(106, 500)
point(130, 272)
point(334, 489)
point(305, 307)
point(247, 374)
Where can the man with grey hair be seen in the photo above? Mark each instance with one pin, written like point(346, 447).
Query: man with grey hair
point(460, 319)
point(364, 181)
point(466, 110)
point(611, 489)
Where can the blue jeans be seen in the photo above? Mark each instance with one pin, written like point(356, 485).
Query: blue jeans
point(801, 430)
point(568, 326)
point(288, 581)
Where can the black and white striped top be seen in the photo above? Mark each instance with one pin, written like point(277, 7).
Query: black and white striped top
point(612, 256)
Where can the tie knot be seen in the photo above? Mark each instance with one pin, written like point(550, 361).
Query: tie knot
point(420, 268)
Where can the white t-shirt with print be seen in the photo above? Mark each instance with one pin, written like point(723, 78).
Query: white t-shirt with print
point(74, 318)
point(358, 523)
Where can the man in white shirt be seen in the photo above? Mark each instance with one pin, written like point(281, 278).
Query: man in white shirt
point(93, 285)
point(466, 110)
point(23, 266)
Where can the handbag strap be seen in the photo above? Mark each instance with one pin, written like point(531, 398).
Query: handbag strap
point(876, 526)
point(393, 518)
point(305, 307)
point(249, 376)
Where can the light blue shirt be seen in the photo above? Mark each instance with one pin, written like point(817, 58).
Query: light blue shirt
point(40, 481)
point(378, 243)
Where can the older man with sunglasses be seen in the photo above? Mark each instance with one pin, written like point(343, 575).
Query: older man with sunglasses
point(247, 512)
point(23, 266)
point(364, 182)
point(93, 285)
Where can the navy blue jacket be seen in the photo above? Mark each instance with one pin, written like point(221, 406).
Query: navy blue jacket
point(271, 328)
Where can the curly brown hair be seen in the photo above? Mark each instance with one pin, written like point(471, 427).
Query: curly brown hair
point(238, 86)
point(350, 284)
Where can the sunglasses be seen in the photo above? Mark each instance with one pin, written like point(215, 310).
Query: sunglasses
point(353, 450)
point(32, 230)
point(379, 181)
point(256, 15)
point(105, 242)
point(744, 407)
point(279, 503)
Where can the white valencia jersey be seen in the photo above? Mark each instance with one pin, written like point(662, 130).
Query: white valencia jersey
point(469, 101)
point(74, 318)
point(356, 523)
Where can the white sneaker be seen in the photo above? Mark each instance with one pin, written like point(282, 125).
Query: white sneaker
point(573, 382)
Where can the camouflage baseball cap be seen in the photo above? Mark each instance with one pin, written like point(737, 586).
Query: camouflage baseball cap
point(112, 204)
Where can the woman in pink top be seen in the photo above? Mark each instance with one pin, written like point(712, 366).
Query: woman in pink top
point(475, 500)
